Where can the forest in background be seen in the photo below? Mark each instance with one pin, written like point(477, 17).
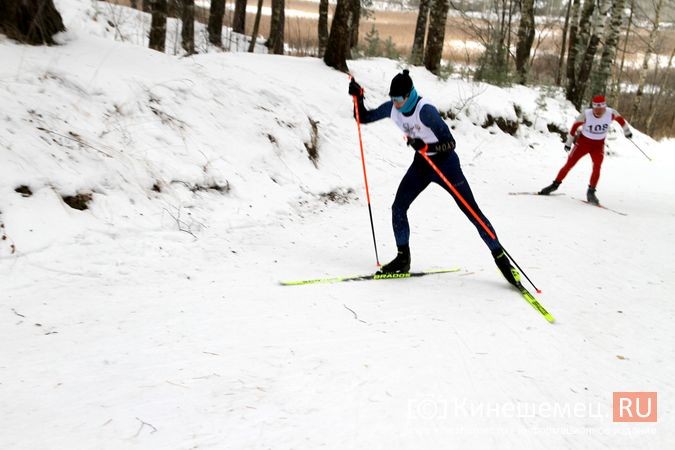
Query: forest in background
point(621, 48)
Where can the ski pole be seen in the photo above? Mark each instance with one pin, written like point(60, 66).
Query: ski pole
point(423, 152)
point(365, 177)
point(636, 146)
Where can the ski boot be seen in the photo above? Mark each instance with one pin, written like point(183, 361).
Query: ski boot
point(590, 196)
point(400, 264)
point(505, 267)
point(550, 188)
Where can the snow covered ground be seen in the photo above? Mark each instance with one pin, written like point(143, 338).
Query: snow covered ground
point(154, 319)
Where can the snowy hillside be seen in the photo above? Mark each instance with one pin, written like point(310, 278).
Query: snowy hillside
point(154, 318)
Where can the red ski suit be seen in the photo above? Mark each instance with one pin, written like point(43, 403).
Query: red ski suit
point(590, 141)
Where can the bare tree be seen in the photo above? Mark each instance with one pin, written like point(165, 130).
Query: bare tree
point(662, 96)
point(275, 41)
point(601, 76)
point(215, 27)
point(323, 26)
point(525, 39)
point(417, 54)
point(563, 45)
point(188, 30)
point(239, 17)
point(355, 18)
point(585, 46)
point(158, 25)
point(645, 61)
point(34, 22)
point(337, 47)
point(256, 27)
point(617, 80)
point(434, 49)
point(493, 31)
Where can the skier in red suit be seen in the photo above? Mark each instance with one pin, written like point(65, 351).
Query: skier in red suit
point(588, 134)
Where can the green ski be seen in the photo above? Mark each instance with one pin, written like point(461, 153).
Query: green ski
point(375, 276)
point(534, 302)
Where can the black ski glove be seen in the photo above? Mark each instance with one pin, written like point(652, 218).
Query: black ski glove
point(416, 143)
point(355, 88)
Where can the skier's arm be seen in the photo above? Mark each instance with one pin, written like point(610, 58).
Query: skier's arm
point(371, 115)
point(430, 117)
point(624, 125)
point(574, 130)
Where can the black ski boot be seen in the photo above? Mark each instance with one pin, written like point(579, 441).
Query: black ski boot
point(400, 264)
point(550, 188)
point(590, 196)
point(509, 272)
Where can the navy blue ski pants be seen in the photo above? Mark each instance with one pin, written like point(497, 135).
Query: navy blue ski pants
point(418, 177)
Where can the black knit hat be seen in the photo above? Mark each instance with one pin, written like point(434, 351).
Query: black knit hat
point(401, 84)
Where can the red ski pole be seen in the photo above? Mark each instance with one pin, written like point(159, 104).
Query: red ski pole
point(365, 177)
point(423, 152)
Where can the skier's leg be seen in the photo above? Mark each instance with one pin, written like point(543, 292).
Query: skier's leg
point(597, 156)
point(578, 151)
point(453, 172)
point(451, 168)
point(413, 183)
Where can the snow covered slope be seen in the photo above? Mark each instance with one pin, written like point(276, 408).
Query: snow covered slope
point(154, 318)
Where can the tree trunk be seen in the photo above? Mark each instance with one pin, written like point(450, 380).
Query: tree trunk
point(417, 54)
point(617, 81)
point(337, 48)
point(256, 27)
point(215, 27)
point(561, 59)
point(275, 42)
point(601, 76)
point(572, 44)
point(354, 25)
point(645, 62)
point(323, 26)
point(658, 98)
point(188, 30)
point(525, 39)
point(239, 18)
point(33, 22)
point(584, 58)
point(434, 50)
point(158, 25)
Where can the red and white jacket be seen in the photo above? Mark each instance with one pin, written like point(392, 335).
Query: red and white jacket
point(596, 128)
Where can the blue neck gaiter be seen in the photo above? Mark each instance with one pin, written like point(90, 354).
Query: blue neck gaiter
point(410, 103)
